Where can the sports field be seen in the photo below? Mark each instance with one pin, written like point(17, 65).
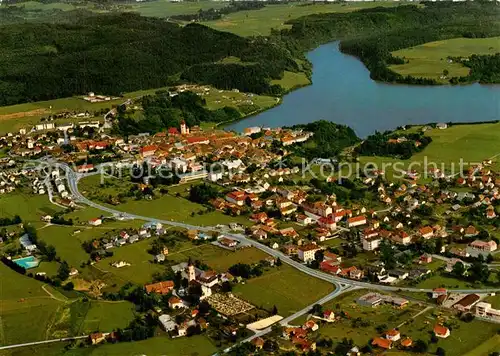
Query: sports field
point(260, 22)
point(285, 287)
point(429, 60)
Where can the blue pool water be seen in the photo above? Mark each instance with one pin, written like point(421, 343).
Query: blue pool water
point(27, 262)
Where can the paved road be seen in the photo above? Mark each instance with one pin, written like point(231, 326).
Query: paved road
point(43, 342)
point(73, 178)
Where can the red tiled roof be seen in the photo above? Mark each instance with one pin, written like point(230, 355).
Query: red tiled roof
point(382, 343)
point(440, 330)
point(161, 287)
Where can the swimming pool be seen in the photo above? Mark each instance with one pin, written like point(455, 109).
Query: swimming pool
point(27, 262)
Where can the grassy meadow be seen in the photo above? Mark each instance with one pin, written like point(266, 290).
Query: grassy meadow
point(28, 206)
point(260, 22)
point(290, 290)
point(383, 315)
point(464, 337)
point(32, 311)
point(430, 59)
point(292, 80)
point(166, 207)
point(472, 143)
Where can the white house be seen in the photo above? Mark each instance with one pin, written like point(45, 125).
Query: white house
point(95, 221)
point(371, 243)
point(306, 252)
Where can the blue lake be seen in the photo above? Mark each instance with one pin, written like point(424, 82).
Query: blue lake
point(343, 92)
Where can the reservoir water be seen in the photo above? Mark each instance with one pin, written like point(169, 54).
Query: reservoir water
point(343, 92)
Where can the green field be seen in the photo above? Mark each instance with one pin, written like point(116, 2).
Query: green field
point(166, 8)
point(104, 316)
point(26, 309)
point(68, 246)
point(28, 206)
point(166, 207)
point(142, 268)
point(38, 6)
point(32, 311)
point(198, 345)
point(464, 336)
point(15, 117)
point(260, 22)
point(383, 315)
point(486, 348)
point(285, 287)
point(430, 59)
point(472, 143)
point(217, 258)
point(292, 80)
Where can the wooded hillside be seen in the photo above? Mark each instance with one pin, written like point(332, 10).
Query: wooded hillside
point(117, 53)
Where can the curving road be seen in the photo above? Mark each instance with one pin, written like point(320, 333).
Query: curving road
point(73, 179)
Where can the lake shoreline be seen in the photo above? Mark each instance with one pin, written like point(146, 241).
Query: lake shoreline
point(342, 91)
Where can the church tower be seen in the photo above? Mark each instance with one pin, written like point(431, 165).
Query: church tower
point(191, 272)
point(184, 128)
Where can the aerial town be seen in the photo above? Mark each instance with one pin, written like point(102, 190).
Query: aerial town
point(249, 178)
point(420, 249)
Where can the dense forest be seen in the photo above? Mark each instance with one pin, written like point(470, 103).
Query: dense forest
point(372, 34)
point(483, 69)
point(389, 144)
point(328, 141)
point(162, 112)
point(117, 53)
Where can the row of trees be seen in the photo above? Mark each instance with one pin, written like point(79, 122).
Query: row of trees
point(10, 221)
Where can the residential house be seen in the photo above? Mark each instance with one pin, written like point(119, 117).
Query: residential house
point(356, 221)
point(306, 253)
point(236, 197)
point(393, 335)
point(329, 316)
point(436, 292)
point(175, 303)
point(304, 219)
point(371, 243)
point(327, 222)
point(426, 232)
point(95, 221)
point(227, 242)
point(164, 287)
point(441, 331)
point(382, 343)
point(96, 338)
